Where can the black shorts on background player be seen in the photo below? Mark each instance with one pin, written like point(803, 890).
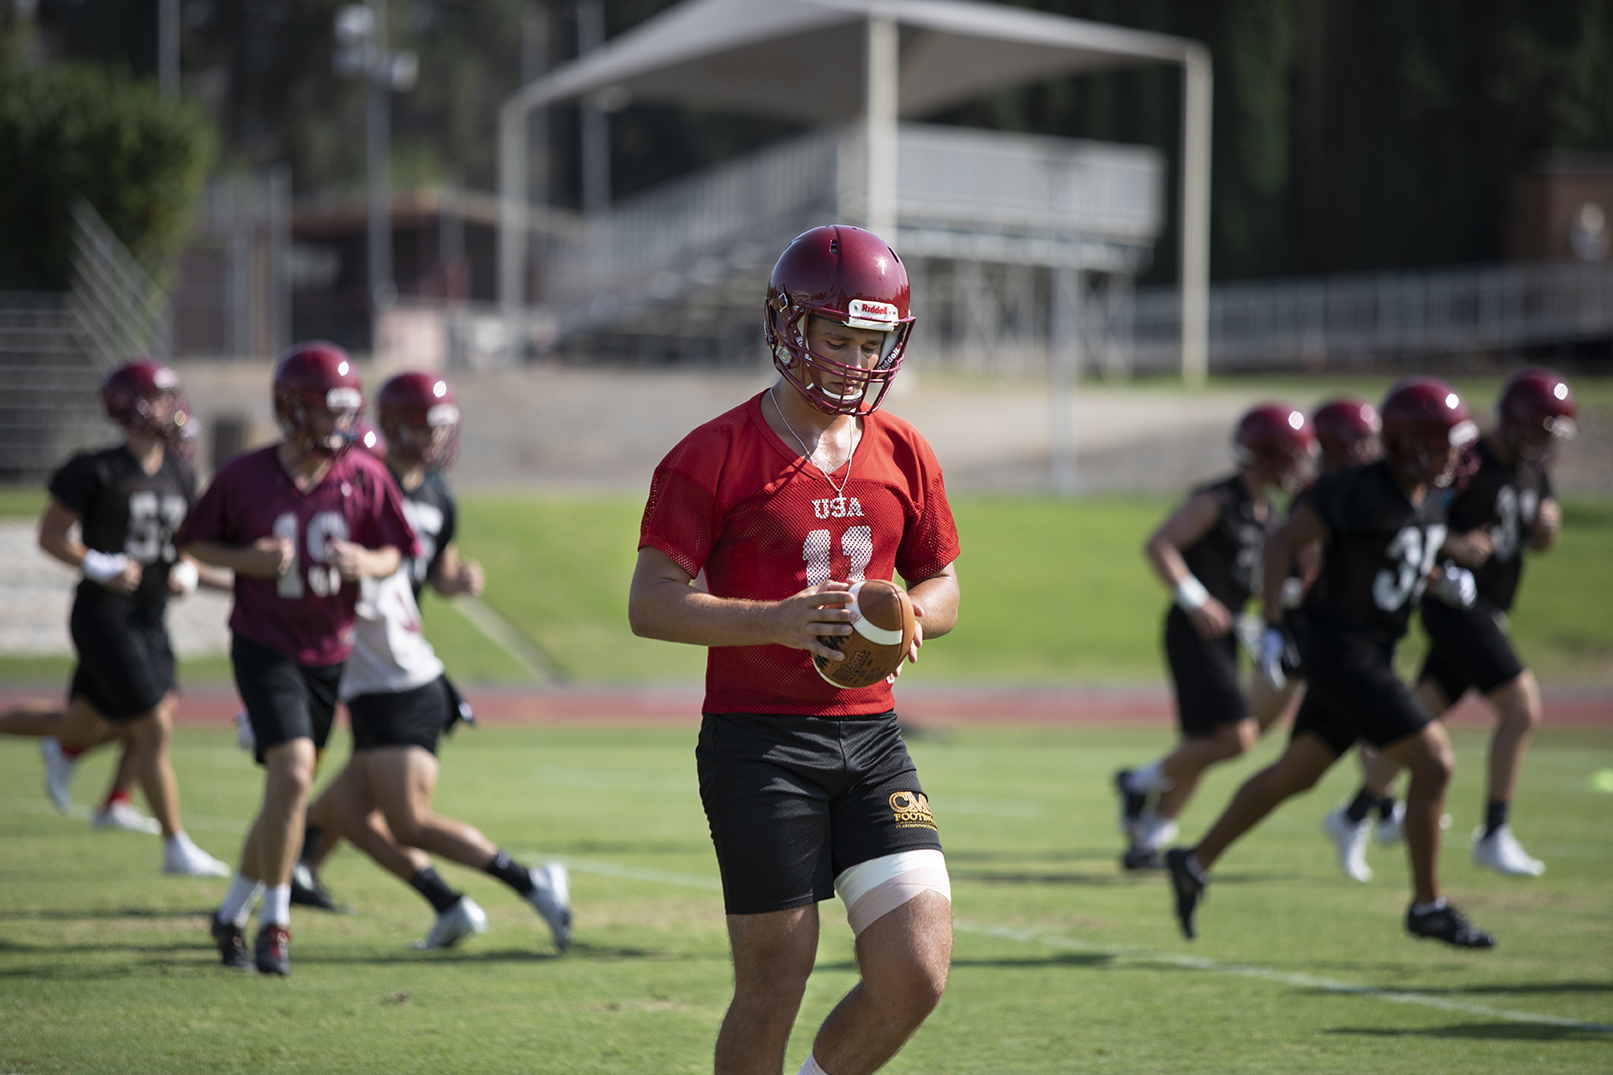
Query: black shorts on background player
point(794, 800)
point(1205, 672)
point(1467, 648)
point(125, 663)
point(284, 699)
point(412, 718)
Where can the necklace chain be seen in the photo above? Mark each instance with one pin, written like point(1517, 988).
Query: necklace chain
point(828, 475)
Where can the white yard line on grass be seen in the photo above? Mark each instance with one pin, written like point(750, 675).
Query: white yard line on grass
point(1142, 956)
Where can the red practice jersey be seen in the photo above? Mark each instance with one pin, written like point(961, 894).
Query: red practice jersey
point(307, 613)
point(736, 501)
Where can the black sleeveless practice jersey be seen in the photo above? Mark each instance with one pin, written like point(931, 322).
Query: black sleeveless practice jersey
point(1227, 558)
point(430, 511)
point(1505, 499)
point(1378, 552)
point(126, 510)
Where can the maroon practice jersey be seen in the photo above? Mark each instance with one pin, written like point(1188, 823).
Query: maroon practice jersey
point(739, 503)
point(307, 613)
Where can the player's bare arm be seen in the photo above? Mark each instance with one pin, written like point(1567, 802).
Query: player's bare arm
point(661, 604)
point(355, 561)
point(1301, 529)
point(1548, 525)
point(452, 575)
point(1185, 526)
point(265, 558)
point(1471, 549)
point(935, 607)
point(55, 537)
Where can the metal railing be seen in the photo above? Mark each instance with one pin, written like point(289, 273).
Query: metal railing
point(119, 307)
point(1359, 318)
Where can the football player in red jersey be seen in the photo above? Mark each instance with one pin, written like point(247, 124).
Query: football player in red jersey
point(1382, 526)
point(1207, 553)
point(1506, 507)
point(127, 503)
point(400, 702)
point(300, 523)
point(778, 506)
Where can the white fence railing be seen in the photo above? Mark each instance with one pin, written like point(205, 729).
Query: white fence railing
point(1329, 321)
point(118, 306)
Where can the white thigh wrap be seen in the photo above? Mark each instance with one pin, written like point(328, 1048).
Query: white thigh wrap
point(870, 890)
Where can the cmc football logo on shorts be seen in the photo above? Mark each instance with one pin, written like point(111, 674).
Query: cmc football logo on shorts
point(912, 810)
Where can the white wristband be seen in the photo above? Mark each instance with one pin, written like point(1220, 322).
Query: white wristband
point(1191, 594)
point(184, 572)
point(103, 567)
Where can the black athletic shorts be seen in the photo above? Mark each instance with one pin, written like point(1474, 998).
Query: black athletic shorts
point(1352, 692)
point(412, 718)
point(1206, 676)
point(284, 699)
point(793, 801)
point(125, 663)
point(1467, 648)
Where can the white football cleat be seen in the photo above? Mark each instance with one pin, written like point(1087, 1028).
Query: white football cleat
point(1389, 830)
point(59, 770)
point(1501, 852)
point(183, 858)
point(455, 924)
point(124, 815)
point(551, 898)
point(1350, 840)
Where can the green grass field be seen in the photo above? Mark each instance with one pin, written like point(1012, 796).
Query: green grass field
point(1061, 964)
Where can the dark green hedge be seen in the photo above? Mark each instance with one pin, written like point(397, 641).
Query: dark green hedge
point(73, 129)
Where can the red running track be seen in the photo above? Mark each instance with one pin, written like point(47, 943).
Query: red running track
point(973, 705)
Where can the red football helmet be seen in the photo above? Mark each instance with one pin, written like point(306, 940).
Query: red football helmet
point(1423, 420)
point(849, 276)
point(317, 375)
point(1347, 430)
point(1276, 438)
point(1536, 410)
point(418, 414)
point(142, 396)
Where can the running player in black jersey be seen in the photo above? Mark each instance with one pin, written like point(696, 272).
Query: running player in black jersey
point(1208, 554)
point(1506, 508)
point(127, 503)
point(400, 701)
point(1382, 527)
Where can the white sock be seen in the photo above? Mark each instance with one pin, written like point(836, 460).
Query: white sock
point(1425, 908)
point(276, 906)
point(1149, 778)
point(237, 905)
point(811, 1067)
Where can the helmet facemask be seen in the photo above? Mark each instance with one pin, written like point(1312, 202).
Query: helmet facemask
point(296, 412)
point(786, 326)
point(430, 439)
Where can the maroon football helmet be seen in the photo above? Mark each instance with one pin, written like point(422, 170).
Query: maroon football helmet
point(142, 396)
point(418, 414)
point(1276, 438)
point(849, 276)
point(1536, 411)
point(1423, 419)
point(1347, 430)
point(315, 375)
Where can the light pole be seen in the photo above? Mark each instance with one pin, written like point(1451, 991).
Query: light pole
point(362, 52)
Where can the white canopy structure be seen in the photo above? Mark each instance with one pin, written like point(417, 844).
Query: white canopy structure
point(826, 62)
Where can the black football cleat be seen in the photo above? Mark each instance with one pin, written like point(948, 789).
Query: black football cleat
point(1188, 886)
point(274, 950)
point(308, 891)
point(1132, 804)
point(231, 945)
point(1449, 925)
point(1141, 858)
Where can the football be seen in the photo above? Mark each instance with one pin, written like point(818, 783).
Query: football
point(880, 636)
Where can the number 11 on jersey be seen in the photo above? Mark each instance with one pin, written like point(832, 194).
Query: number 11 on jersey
point(856, 545)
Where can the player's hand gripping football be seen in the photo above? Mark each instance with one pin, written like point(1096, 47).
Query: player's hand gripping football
point(268, 558)
point(1211, 619)
point(799, 620)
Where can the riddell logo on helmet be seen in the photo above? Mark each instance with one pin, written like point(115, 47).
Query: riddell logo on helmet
point(864, 310)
